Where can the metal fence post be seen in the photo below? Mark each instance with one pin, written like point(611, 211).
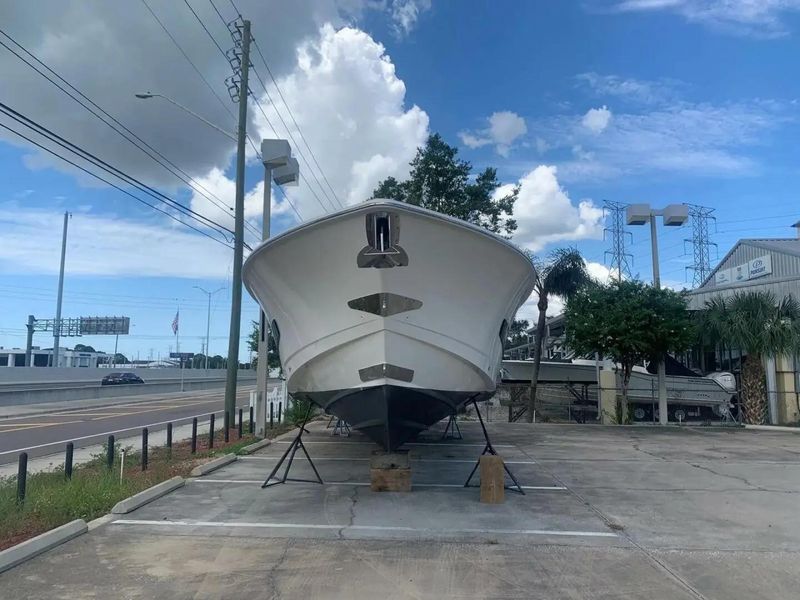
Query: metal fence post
point(211, 431)
point(144, 449)
point(22, 477)
point(169, 435)
point(194, 435)
point(240, 423)
point(280, 412)
point(252, 423)
point(271, 415)
point(68, 460)
point(227, 424)
point(110, 452)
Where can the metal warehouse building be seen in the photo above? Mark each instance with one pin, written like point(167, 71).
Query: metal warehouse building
point(771, 265)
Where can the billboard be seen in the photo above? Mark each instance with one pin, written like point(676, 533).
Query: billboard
point(105, 325)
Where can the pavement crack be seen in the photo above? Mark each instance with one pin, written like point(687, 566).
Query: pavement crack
point(352, 517)
point(272, 580)
point(734, 477)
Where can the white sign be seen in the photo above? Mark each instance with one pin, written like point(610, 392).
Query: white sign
point(758, 267)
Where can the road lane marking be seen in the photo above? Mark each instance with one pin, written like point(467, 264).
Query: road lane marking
point(547, 488)
point(106, 433)
point(29, 426)
point(345, 527)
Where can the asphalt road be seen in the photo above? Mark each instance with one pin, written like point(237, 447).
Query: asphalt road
point(47, 433)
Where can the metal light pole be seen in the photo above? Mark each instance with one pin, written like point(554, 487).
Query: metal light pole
point(208, 317)
point(188, 110)
point(57, 324)
point(238, 233)
point(280, 167)
point(674, 215)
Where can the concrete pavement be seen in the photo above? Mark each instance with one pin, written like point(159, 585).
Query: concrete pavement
point(608, 513)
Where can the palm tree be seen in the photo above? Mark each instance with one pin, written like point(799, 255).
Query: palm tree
point(563, 275)
point(759, 326)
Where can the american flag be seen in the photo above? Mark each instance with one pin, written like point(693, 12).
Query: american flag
point(175, 323)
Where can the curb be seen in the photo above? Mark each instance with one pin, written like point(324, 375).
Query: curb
point(773, 428)
point(255, 447)
point(152, 493)
point(26, 550)
point(212, 465)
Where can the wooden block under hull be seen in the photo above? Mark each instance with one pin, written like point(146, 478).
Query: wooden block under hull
point(492, 480)
point(390, 480)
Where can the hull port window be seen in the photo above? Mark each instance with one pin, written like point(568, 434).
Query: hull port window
point(383, 236)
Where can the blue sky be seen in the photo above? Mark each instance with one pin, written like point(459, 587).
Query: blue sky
point(577, 102)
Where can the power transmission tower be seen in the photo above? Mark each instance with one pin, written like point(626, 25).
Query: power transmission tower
point(620, 267)
point(700, 216)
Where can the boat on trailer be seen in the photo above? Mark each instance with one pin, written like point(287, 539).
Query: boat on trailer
point(388, 315)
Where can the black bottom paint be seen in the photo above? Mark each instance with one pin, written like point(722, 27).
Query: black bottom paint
point(390, 414)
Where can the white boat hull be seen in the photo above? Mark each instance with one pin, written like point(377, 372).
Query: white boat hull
point(394, 335)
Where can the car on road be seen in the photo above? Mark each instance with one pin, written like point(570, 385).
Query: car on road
point(121, 378)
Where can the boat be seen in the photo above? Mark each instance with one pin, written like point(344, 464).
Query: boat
point(387, 315)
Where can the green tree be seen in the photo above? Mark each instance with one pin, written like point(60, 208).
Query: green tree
point(630, 322)
point(273, 356)
point(441, 181)
point(516, 335)
point(760, 326)
point(83, 348)
point(562, 275)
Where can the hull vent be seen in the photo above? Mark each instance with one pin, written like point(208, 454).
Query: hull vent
point(384, 304)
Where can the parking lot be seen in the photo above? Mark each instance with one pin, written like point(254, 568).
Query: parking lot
point(626, 512)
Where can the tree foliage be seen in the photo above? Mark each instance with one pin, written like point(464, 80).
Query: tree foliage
point(760, 326)
point(562, 275)
point(441, 181)
point(629, 322)
point(517, 333)
point(273, 356)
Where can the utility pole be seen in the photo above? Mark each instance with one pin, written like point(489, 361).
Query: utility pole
point(701, 265)
point(57, 325)
point(238, 230)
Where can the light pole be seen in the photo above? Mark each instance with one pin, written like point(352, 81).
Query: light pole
point(149, 95)
point(57, 324)
point(208, 317)
point(280, 167)
point(674, 215)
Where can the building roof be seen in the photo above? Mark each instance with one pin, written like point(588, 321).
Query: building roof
point(789, 246)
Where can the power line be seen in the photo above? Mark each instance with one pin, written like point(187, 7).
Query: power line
point(186, 178)
point(96, 176)
point(105, 166)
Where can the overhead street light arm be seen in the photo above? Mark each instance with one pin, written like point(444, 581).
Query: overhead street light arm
point(149, 95)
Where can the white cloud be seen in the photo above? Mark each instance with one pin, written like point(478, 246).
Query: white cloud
point(503, 129)
point(350, 104)
point(597, 119)
point(761, 18)
point(405, 14)
point(545, 213)
point(127, 247)
point(633, 90)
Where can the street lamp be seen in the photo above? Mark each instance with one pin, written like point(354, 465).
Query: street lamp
point(281, 168)
point(673, 215)
point(149, 95)
point(208, 317)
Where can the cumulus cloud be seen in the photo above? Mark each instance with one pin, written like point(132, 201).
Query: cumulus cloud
point(350, 105)
point(545, 213)
point(760, 18)
point(597, 119)
point(503, 129)
point(406, 13)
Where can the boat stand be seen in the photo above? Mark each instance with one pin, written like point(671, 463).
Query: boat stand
point(489, 449)
point(297, 444)
point(342, 428)
point(452, 431)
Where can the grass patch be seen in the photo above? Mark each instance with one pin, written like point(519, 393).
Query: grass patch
point(52, 500)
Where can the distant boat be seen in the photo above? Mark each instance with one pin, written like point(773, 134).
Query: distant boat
point(388, 315)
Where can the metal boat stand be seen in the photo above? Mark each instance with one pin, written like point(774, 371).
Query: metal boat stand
point(452, 431)
point(330, 422)
point(489, 449)
point(342, 428)
point(297, 444)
